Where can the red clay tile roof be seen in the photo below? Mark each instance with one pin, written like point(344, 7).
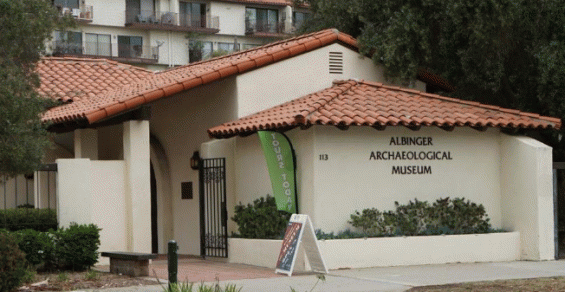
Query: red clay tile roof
point(74, 79)
point(175, 80)
point(361, 103)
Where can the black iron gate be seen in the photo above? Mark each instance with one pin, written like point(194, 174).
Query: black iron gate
point(213, 212)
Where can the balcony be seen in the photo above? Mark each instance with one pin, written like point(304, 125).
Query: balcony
point(126, 53)
point(137, 54)
point(61, 48)
point(82, 14)
point(264, 29)
point(146, 19)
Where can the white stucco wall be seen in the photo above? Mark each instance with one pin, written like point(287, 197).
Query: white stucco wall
point(510, 176)
point(180, 123)
point(108, 12)
point(527, 194)
point(108, 205)
point(94, 192)
point(351, 178)
point(232, 17)
point(330, 190)
point(301, 75)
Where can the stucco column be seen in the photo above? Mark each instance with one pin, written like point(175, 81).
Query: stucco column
point(288, 22)
point(86, 143)
point(137, 185)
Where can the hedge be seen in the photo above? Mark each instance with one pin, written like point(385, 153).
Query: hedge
point(24, 218)
point(73, 248)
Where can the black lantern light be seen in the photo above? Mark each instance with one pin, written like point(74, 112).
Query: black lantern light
point(195, 160)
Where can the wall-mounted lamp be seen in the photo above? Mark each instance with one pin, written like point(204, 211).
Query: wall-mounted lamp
point(195, 160)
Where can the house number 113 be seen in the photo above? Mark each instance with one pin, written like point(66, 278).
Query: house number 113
point(324, 157)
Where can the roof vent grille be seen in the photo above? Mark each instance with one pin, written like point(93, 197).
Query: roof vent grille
point(336, 62)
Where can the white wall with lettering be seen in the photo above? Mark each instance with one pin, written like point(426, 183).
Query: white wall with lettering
point(339, 172)
point(349, 178)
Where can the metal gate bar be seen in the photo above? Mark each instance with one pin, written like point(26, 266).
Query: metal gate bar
point(213, 212)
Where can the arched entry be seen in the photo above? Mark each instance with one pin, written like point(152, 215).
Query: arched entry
point(161, 198)
point(154, 214)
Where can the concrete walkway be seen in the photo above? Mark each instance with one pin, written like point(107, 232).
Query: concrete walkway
point(373, 279)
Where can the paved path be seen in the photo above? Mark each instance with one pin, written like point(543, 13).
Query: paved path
point(368, 279)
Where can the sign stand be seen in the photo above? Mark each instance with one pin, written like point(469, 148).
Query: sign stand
point(300, 229)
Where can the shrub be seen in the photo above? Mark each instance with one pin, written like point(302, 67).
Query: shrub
point(26, 218)
point(445, 216)
point(76, 247)
point(38, 248)
point(12, 263)
point(261, 220)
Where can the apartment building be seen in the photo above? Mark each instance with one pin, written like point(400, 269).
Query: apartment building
point(157, 34)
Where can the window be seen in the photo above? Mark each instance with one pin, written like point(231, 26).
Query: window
point(249, 46)
point(68, 42)
point(199, 50)
point(226, 47)
point(192, 14)
point(261, 20)
point(97, 44)
point(66, 3)
point(130, 46)
point(298, 18)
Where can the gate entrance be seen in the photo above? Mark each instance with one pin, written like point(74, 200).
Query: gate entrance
point(213, 209)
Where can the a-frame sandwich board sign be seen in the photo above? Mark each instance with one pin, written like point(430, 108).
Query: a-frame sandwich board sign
point(300, 230)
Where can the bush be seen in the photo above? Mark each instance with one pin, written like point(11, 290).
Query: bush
point(38, 247)
point(261, 220)
point(76, 247)
point(12, 263)
point(26, 218)
point(445, 216)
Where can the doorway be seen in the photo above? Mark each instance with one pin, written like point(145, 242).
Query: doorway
point(154, 223)
point(559, 208)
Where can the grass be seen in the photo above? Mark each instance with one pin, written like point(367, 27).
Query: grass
point(526, 285)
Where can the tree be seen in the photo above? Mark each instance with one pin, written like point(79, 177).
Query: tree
point(504, 52)
point(25, 25)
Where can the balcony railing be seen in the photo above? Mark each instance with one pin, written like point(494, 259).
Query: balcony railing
point(171, 20)
point(263, 27)
point(126, 53)
point(137, 52)
point(84, 13)
point(98, 49)
point(66, 48)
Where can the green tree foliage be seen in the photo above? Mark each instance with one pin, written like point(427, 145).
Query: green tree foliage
point(25, 25)
point(503, 52)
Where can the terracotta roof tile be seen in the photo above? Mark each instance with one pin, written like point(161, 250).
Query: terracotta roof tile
point(159, 85)
point(361, 103)
point(72, 79)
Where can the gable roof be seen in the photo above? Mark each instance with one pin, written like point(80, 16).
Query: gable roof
point(172, 81)
point(72, 79)
point(362, 103)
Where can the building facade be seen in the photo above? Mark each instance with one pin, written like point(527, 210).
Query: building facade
point(157, 34)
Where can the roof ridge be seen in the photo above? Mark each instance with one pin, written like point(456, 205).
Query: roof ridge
point(461, 101)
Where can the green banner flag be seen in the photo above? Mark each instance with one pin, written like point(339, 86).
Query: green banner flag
point(280, 162)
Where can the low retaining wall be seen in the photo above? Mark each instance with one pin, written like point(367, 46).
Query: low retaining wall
point(387, 251)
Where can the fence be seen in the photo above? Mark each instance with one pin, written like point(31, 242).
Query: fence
point(34, 190)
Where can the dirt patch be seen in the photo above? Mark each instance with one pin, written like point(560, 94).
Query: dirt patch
point(538, 284)
point(68, 281)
